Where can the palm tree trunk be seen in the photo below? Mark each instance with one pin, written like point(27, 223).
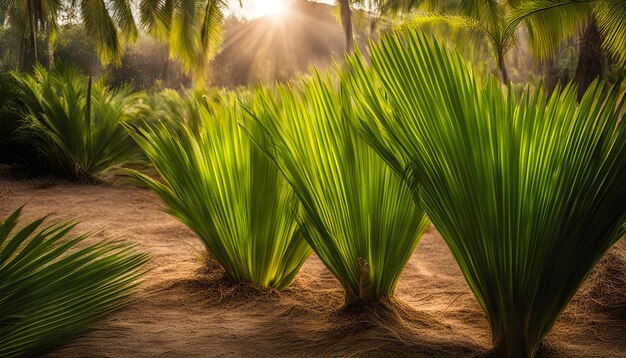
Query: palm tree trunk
point(365, 285)
point(33, 32)
point(551, 75)
point(374, 28)
point(509, 343)
point(346, 22)
point(591, 58)
point(502, 68)
point(50, 47)
point(22, 62)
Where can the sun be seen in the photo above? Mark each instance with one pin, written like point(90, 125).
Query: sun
point(276, 9)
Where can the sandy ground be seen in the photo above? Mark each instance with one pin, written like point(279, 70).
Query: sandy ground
point(177, 312)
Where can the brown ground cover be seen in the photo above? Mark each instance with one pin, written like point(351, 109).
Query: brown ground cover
point(184, 308)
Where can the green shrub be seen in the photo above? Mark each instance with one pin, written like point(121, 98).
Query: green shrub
point(179, 109)
point(175, 109)
point(11, 150)
point(76, 126)
point(222, 187)
point(51, 293)
point(359, 216)
point(528, 192)
point(8, 119)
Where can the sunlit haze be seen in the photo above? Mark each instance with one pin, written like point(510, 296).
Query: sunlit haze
point(253, 9)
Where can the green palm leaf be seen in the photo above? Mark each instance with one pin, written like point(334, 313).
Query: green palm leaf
point(192, 28)
point(223, 187)
point(358, 214)
point(455, 21)
point(121, 11)
point(610, 16)
point(527, 192)
point(549, 22)
point(108, 23)
point(51, 293)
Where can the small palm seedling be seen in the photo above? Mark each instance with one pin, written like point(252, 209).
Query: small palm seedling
point(528, 192)
point(77, 126)
point(52, 293)
point(359, 216)
point(219, 184)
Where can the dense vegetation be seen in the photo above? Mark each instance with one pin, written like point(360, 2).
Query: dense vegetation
point(525, 184)
point(75, 124)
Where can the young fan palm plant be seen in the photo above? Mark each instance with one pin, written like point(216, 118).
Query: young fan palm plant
point(527, 192)
point(359, 217)
point(219, 184)
point(75, 125)
point(52, 293)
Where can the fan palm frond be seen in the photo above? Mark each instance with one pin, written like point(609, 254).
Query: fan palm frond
point(51, 292)
point(549, 22)
point(223, 187)
point(358, 214)
point(610, 16)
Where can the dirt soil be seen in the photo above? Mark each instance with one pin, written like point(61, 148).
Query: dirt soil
point(182, 310)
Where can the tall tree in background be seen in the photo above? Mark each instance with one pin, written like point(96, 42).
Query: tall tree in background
point(28, 18)
point(109, 23)
point(592, 61)
point(346, 21)
point(598, 24)
point(377, 9)
point(192, 28)
point(549, 22)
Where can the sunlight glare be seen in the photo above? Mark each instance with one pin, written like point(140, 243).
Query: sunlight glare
point(276, 9)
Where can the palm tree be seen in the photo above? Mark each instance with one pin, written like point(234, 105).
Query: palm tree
point(27, 18)
point(598, 23)
point(379, 8)
point(592, 61)
point(179, 22)
point(549, 22)
point(109, 24)
point(376, 9)
point(346, 21)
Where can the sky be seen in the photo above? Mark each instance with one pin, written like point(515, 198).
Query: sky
point(257, 8)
